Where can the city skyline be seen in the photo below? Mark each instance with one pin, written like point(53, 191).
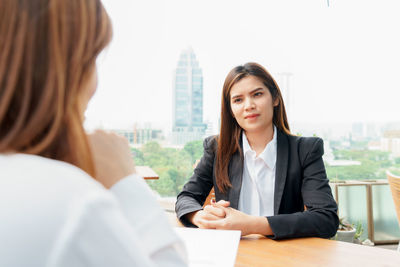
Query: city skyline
point(344, 58)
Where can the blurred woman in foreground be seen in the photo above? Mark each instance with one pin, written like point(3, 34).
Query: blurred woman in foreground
point(52, 211)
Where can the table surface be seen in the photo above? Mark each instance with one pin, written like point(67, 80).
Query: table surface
point(146, 172)
point(257, 250)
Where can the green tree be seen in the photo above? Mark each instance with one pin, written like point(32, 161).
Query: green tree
point(194, 149)
point(373, 165)
point(137, 156)
point(174, 167)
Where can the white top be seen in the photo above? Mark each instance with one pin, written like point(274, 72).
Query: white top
point(258, 182)
point(54, 214)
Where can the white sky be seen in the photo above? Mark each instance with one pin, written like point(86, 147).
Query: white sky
point(345, 58)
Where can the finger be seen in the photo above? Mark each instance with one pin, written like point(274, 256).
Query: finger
point(223, 203)
point(222, 206)
point(210, 217)
point(215, 210)
point(216, 224)
point(204, 215)
point(204, 224)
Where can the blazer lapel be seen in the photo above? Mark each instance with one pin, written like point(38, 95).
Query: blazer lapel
point(235, 176)
point(282, 158)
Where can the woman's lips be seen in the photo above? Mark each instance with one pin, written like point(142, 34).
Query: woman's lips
point(252, 116)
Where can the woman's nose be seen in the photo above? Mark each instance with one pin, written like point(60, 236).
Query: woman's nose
point(249, 104)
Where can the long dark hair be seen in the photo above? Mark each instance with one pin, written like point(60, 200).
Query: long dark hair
point(228, 140)
point(48, 51)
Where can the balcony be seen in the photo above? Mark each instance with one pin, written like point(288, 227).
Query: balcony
point(370, 203)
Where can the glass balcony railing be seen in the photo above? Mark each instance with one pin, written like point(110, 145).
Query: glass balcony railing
point(371, 204)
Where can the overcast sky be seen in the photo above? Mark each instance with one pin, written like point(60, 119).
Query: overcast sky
point(345, 58)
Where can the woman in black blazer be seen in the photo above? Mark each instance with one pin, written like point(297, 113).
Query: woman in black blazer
point(302, 204)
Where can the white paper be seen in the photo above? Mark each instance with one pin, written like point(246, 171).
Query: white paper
point(211, 248)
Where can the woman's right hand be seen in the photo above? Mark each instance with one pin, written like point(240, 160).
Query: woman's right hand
point(209, 213)
point(112, 157)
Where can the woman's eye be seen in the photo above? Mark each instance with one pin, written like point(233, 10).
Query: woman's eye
point(237, 100)
point(258, 94)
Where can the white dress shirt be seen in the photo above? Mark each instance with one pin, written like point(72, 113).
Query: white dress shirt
point(258, 182)
point(54, 214)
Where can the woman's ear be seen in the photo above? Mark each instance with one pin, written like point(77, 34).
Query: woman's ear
point(276, 102)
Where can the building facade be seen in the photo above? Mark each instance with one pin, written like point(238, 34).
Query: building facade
point(391, 142)
point(187, 100)
point(140, 136)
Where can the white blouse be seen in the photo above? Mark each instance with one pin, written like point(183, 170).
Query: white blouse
point(258, 180)
point(54, 214)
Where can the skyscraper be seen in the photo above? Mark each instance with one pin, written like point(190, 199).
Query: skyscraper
point(188, 100)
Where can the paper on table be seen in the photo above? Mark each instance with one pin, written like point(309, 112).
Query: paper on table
point(210, 247)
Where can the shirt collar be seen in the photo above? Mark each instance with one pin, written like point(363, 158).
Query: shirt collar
point(269, 153)
point(246, 145)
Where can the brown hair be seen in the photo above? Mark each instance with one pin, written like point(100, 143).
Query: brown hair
point(48, 51)
point(228, 140)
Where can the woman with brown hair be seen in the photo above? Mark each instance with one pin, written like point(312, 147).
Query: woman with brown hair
point(266, 180)
point(66, 198)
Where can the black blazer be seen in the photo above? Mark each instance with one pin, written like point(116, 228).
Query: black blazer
point(300, 180)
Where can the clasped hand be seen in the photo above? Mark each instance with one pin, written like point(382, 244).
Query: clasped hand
point(220, 216)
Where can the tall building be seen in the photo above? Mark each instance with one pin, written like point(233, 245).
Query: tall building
point(210, 129)
point(188, 100)
point(141, 135)
point(391, 142)
point(357, 130)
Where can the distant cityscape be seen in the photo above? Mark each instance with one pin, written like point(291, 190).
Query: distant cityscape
point(189, 125)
